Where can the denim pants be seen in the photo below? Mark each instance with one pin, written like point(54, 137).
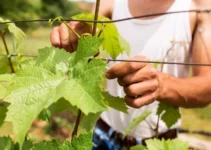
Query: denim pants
point(104, 141)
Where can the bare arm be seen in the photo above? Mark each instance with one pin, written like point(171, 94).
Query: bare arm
point(194, 91)
point(143, 85)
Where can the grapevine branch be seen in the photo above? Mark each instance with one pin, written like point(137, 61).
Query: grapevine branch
point(117, 20)
point(7, 51)
point(96, 17)
point(80, 114)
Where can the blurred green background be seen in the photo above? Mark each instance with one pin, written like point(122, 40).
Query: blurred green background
point(37, 36)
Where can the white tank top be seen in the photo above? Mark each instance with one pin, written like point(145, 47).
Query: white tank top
point(164, 38)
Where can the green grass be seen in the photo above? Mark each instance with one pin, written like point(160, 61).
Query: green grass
point(34, 40)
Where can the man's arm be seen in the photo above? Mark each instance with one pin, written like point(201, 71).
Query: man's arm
point(194, 91)
point(143, 85)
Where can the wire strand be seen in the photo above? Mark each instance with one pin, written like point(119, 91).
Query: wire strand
point(117, 20)
point(122, 60)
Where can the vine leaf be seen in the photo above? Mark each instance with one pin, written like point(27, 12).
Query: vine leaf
point(40, 84)
point(27, 145)
point(113, 43)
point(27, 102)
point(3, 110)
point(53, 60)
point(89, 121)
point(83, 142)
point(155, 144)
point(17, 33)
point(169, 114)
point(136, 121)
point(6, 143)
point(138, 147)
point(60, 106)
point(115, 102)
point(4, 83)
point(4, 65)
point(45, 115)
point(14, 30)
point(84, 83)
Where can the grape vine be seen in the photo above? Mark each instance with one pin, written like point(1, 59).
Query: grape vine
point(56, 75)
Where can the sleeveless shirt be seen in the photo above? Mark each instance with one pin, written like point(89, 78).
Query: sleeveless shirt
point(164, 38)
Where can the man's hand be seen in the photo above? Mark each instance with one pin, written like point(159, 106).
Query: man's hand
point(61, 37)
point(139, 80)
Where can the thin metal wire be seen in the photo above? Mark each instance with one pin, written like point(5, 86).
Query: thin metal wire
point(16, 55)
point(117, 20)
point(158, 62)
point(136, 61)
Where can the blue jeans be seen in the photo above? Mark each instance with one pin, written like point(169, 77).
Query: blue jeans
point(104, 141)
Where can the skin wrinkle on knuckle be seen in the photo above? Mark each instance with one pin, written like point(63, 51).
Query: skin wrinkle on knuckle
point(130, 102)
point(130, 90)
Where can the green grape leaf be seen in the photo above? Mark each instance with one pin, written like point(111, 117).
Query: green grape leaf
point(3, 27)
point(138, 147)
point(113, 43)
point(136, 121)
point(14, 30)
point(27, 145)
point(52, 145)
point(45, 115)
point(88, 17)
point(85, 91)
point(3, 110)
point(89, 121)
point(87, 47)
point(27, 103)
point(155, 144)
point(40, 84)
point(83, 142)
point(6, 143)
point(60, 106)
point(17, 33)
point(50, 59)
point(4, 65)
point(169, 114)
point(115, 102)
point(4, 83)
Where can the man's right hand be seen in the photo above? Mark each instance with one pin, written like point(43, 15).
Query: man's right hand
point(62, 37)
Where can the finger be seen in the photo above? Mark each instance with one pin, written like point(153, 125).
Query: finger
point(65, 37)
point(125, 68)
point(141, 88)
point(143, 74)
point(55, 37)
point(137, 102)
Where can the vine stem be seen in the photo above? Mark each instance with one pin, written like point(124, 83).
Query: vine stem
point(79, 116)
point(157, 127)
point(96, 17)
point(7, 51)
point(71, 29)
point(78, 119)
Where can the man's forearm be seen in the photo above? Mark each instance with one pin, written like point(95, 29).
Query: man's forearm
point(185, 92)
